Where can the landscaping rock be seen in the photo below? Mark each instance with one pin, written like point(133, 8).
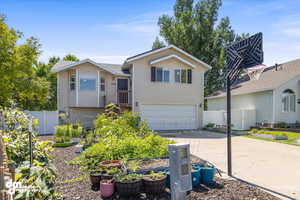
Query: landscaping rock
point(78, 148)
point(262, 135)
point(281, 137)
point(297, 140)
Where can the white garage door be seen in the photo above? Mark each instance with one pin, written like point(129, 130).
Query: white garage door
point(170, 117)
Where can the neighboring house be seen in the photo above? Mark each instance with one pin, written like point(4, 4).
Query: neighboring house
point(166, 86)
point(275, 95)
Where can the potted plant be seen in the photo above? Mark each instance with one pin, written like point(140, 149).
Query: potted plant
point(109, 173)
point(107, 164)
point(128, 184)
point(95, 178)
point(208, 174)
point(155, 182)
point(107, 187)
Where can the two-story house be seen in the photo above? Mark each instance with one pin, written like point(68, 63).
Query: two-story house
point(166, 86)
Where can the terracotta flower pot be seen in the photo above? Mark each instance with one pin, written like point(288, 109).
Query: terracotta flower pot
point(129, 188)
point(108, 164)
point(107, 188)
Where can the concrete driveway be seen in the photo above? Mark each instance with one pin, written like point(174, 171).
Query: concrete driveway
point(271, 165)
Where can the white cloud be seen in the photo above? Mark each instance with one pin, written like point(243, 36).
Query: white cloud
point(143, 24)
point(140, 26)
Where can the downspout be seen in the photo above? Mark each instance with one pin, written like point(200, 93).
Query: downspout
point(274, 106)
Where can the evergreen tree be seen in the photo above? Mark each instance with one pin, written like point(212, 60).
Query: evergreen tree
point(157, 44)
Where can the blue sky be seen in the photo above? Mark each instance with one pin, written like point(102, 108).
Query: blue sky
point(110, 31)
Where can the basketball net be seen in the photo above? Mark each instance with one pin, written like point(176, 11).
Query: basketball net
point(255, 72)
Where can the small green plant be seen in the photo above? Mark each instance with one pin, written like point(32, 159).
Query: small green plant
point(155, 175)
point(210, 125)
point(281, 125)
point(63, 133)
point(127, 178)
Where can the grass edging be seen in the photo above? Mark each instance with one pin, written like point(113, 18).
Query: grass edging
point(65, 144)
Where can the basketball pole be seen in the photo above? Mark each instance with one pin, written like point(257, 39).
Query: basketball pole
point(229, 160)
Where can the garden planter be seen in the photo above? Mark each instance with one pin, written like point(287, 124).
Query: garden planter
point(95, 178)
point(107, 188)
point(107, 164)
point(106, 176)
point(154, 186)
point(207, 175)
point(129, 188)
point(196, 176)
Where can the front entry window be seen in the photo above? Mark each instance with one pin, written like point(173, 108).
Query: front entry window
point(88, 83)
point(289, 101)
point(102, 84)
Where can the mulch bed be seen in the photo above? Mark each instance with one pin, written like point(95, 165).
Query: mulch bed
point(73, 184)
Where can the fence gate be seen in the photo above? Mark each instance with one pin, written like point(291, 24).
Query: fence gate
point(47, 121)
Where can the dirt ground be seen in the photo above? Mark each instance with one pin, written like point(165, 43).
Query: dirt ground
point(73, 184)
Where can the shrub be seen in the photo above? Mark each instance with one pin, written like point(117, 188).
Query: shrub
point(126, 124)
point(121, 138)
point(281, 125)
point(63, 133)
point(113, 148)
point(210, 125)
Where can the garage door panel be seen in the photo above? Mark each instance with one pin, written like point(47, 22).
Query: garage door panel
point(170, 117)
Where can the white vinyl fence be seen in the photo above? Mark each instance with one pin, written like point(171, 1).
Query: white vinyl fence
point(47, 121)
point(241, 119)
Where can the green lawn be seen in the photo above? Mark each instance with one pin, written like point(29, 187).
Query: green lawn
point(291, 136)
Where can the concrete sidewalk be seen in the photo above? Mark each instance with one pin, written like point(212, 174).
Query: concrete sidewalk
point(274, 166)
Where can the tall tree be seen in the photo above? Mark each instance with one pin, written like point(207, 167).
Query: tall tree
point(157, 44)
point(70, 57)
point(194, 28)
point(18, 82)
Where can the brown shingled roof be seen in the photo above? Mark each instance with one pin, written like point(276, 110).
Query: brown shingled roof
point(269, 79)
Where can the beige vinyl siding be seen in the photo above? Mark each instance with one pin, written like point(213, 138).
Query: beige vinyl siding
point(63, 90)
point(262, 102)
point(67, 98)
point(147, 92)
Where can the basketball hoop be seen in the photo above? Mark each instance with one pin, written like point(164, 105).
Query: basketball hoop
point(255, 72)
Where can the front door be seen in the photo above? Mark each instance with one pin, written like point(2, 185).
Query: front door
point(123, 91)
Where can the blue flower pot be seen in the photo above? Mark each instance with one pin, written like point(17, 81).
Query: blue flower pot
point(207, 175)
point(196, 176)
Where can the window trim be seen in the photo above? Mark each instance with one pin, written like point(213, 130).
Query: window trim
point(163, 70)
point(180, 76)
point(102, 84)
point(86, 77)
point(287, 96)
point(72, 73)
